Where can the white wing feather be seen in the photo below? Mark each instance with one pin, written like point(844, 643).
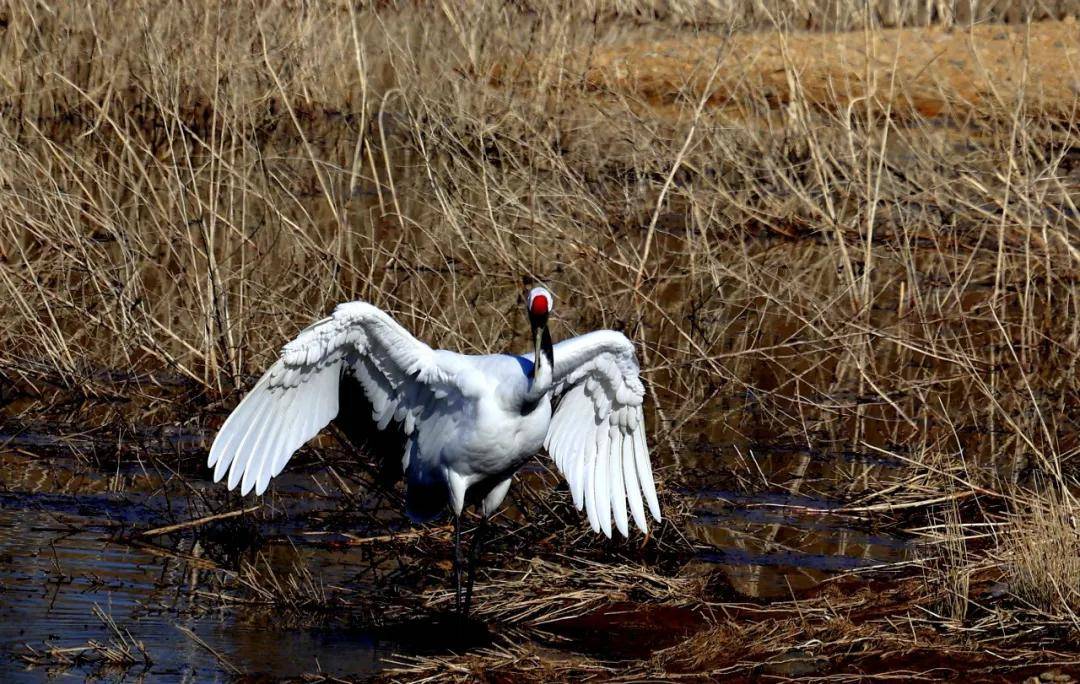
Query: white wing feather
point(597, 434)
point(298, 396)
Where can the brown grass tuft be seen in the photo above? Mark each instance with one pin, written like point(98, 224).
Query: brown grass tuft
point(1042, 553)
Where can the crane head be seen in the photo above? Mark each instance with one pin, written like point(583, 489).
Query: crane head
point(539, 303)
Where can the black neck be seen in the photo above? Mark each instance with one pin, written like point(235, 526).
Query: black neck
point(542, 371)
point(546, 347)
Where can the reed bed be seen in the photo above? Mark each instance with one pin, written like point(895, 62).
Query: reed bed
point(803, 254)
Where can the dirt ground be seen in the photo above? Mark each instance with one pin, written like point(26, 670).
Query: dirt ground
point(926, 71)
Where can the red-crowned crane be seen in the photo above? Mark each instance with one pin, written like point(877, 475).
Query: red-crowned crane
point(468, 422)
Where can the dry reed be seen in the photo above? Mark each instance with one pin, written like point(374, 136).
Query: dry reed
point(184, 187)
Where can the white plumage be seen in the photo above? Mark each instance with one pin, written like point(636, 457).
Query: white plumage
point(470, 421)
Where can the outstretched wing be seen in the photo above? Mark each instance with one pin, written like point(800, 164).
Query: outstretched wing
point(298, 396)
point(597, 434)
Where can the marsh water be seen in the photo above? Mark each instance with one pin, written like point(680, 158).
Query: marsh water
point(69, 541)
point(63, 551)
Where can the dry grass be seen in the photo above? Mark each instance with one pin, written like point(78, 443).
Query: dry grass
point(183, 188)
point(1042, 551)
point(543, 592)
point(115, 656)
point(297, 590)
point(975, 72)
point(840, 634)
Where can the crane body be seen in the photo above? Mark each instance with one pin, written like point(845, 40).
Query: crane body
point(468, 422)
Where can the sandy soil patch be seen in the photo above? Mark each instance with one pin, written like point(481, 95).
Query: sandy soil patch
point(927, 71)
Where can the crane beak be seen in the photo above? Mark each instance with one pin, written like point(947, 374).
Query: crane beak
point(540, 337)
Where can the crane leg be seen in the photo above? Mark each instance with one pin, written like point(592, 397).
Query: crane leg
point(457, 562)
point(474, 553)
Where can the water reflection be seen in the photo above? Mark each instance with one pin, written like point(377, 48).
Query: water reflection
point(777, 542)
point(58, 560)
point(64, 550)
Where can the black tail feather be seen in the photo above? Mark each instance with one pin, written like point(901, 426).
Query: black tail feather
point(385, 447)
point(423, 500)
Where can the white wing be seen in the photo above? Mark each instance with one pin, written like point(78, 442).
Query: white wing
point(298, 396)
point(597, 434)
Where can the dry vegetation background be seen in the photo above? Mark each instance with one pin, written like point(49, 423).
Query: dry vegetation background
point(862, 241)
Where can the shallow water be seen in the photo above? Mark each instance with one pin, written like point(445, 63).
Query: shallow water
point(774, 544)
point(66, 546)
point(777, 555)
point(63, 552)
point(52, 577)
